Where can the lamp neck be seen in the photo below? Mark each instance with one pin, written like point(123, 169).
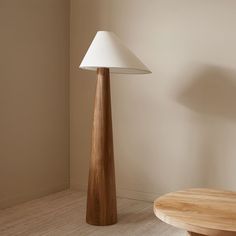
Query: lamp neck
point(104, 72)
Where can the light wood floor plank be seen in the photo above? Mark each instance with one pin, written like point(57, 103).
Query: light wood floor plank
point(63, 214)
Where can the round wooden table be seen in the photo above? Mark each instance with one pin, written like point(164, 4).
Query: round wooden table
point(199, 211)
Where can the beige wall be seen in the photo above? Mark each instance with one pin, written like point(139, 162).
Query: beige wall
point(34, 41)
point(175, 128)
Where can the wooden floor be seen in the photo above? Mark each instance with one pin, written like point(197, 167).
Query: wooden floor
point(63, 213)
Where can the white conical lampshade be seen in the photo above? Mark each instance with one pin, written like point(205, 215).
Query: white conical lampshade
point(107, 51)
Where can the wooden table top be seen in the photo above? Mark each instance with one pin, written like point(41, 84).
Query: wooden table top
point(203, 211)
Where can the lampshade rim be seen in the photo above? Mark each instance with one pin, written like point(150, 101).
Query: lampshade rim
point(134, 70)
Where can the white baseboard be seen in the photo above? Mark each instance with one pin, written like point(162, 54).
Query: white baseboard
point(137, 195)
point(125, 193)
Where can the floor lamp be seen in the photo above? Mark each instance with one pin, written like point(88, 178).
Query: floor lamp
point(106, 54)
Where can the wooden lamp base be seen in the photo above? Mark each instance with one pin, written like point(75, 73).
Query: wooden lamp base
point(101, 198)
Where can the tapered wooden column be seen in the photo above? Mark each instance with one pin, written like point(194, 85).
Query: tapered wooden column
point(101, 198)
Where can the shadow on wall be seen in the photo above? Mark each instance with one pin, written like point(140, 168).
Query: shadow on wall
point(211, 93)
